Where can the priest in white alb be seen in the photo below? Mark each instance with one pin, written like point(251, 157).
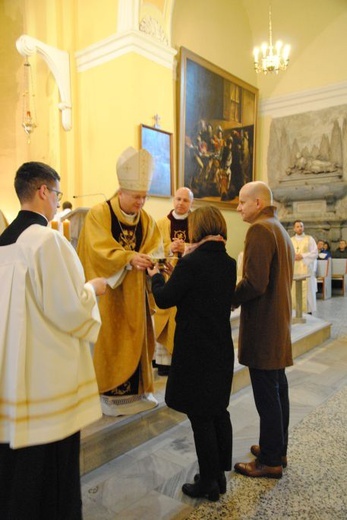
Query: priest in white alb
point(306, 254)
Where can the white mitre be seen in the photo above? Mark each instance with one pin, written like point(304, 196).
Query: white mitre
point(135, 170)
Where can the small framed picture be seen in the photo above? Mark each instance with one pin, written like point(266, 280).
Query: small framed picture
point(159, 143)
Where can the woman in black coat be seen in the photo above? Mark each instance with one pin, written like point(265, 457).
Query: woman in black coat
point(199, 383)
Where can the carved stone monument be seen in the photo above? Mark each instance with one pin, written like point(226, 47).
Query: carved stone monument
point(307, 170)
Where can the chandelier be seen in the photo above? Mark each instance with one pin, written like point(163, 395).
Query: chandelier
point(272, 58)
point(29, 111)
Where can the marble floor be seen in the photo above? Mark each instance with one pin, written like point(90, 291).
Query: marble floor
point(145, 483)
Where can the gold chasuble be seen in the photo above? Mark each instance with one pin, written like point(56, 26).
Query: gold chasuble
point(126, 340)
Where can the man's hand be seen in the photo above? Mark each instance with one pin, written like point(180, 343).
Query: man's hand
point(177, 245)
point(99, 285)
point(141, 262)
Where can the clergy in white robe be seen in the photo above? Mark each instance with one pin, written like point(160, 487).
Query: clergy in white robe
point(306, 254)
point(48, 389)
point(49, 316)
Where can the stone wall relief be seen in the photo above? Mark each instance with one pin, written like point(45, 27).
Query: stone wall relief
point(307, 170)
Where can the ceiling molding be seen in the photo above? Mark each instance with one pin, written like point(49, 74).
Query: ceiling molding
point(118, 45)
point(304, 101)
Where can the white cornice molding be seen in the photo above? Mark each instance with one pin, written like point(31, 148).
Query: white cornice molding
point(117, 45)
point(304, 101)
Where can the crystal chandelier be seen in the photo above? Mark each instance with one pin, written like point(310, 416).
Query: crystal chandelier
point(29, 111)
point(272, 59)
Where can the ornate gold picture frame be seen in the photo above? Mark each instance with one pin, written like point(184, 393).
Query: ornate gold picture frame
point(217, 131)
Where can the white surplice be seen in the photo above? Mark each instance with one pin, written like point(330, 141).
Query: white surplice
point(48, 389)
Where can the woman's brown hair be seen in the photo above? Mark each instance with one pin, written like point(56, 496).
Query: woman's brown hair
point(204, 221)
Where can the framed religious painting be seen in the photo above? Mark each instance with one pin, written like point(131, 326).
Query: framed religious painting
point(159, 144)
point(217, 131)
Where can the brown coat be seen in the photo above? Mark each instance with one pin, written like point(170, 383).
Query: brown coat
point(265, 295)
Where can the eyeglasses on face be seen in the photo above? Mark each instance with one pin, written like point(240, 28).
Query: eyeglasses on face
point(58, 193)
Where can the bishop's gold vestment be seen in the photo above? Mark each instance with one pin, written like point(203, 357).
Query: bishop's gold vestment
point(126, 338)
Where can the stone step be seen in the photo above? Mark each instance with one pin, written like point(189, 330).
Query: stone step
point(111, 437)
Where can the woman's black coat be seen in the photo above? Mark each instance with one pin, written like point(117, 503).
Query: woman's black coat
point(201, 287)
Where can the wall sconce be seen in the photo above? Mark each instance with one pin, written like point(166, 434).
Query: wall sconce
point(59, 64)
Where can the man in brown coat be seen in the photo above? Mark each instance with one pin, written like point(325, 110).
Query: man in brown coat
point(264, 294)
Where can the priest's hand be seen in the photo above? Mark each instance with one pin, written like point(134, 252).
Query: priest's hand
point(177, 246)
point(141, 261)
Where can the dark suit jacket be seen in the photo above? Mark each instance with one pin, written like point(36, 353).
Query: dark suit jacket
point(201, 287)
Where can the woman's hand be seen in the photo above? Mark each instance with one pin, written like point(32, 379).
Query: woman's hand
point(154, 270)
point(161, 266)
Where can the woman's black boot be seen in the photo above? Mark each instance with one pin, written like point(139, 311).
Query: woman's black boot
point(222, 482)
point(199, 489)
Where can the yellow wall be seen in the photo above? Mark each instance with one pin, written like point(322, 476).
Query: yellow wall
point(218, 31)
point(95, 20)
point(50, 21)
point(114, 100)
point(111, 100)
point(316, 31)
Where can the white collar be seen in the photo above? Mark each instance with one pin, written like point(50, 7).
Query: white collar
point(179, 217)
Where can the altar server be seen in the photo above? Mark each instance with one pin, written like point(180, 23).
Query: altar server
point(48, 389)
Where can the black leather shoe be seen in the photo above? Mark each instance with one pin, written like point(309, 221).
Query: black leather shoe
point(255, 450)
point(222, 482)
point(197, 490)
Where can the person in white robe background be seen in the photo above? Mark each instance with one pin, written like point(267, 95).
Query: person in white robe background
point(48, 389)
point(306, 254)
